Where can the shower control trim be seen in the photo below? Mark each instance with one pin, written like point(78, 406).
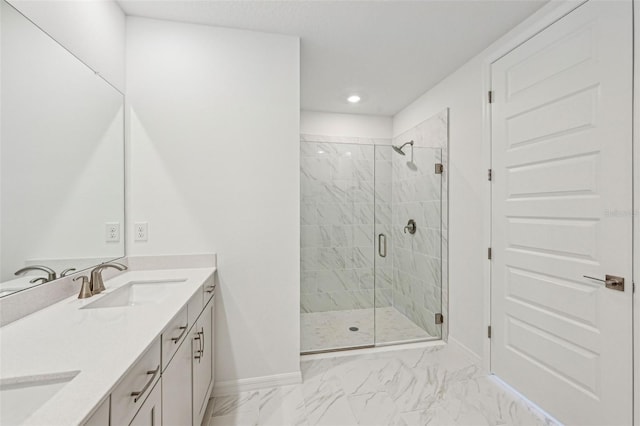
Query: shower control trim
point(411, 227)
point(382, 245)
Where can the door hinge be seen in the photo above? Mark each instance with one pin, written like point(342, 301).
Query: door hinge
point(490, 174)
point(633, 287)
point(489, 253)
point(439, 319)
point(490, 96)
point(489, 332)
point(439, 168)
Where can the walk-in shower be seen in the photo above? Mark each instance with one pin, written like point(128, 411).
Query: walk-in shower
point(371, 245)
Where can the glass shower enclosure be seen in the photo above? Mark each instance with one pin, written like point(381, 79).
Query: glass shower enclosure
point(371, 245)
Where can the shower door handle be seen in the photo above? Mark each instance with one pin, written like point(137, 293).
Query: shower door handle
point(382, 245)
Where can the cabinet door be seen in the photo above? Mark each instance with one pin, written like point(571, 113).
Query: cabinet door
point(202, 363)
point(176, 388)
point(150, 412)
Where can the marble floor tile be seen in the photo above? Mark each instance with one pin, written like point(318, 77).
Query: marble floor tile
point(282, 406)
point(436, 385)
point(436, 415)
point(326, 402)
point(243, 418)
point(375, 409)
point(330, 330)
point(243, 402)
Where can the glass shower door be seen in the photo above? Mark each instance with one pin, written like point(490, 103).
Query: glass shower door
point(408, 257)
point(337, 249)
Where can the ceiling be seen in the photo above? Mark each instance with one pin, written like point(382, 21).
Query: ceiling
point(389, 52)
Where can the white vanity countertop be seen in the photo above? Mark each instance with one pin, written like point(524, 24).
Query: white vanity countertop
point(102, 344)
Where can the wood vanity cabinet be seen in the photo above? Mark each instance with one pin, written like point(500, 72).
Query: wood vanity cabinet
point(202, 362)
point(188, 378)
point(178, 394)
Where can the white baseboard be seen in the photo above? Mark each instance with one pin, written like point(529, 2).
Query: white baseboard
point(232, 387)
point(455, 342)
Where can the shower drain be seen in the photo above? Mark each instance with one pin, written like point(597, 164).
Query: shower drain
point(354, 328)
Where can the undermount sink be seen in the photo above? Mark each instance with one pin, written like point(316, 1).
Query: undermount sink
point(136, 293)
point(20, 397)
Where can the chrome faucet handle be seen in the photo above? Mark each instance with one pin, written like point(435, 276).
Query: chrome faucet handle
point(66, 272)
point(35, 280)
point(85, 290)
point(116, 265)
point(51, 274)
point(97, 283)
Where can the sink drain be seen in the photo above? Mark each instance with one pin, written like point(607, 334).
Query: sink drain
point(354, 328)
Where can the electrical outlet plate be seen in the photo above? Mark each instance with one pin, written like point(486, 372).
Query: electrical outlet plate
point(112, 232)
point(141, 231)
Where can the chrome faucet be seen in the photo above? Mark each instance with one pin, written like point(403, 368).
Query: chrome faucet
point(51, 274)
point(97, 284)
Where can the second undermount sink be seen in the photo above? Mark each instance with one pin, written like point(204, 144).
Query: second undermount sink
point(22, 396)
point(136, 293)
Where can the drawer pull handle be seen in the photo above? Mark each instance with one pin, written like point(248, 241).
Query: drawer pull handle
point(211, 289)
point(138, 395)
point(200, 352)
point(184, 330)
point(201, 332)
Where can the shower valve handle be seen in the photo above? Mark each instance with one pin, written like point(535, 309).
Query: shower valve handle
point(411, 227)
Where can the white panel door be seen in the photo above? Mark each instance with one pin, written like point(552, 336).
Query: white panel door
point(561, 209)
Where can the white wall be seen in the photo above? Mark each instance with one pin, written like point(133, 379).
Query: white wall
point(463, 92)
point(349, 125)
point(213, 128)
point(93, 30)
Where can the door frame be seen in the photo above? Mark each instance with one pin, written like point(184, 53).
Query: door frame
point(536, 23)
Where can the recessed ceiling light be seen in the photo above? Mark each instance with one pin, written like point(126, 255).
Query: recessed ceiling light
point(354, 99)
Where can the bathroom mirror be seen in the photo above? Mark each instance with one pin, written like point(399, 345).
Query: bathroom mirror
point(61, 159)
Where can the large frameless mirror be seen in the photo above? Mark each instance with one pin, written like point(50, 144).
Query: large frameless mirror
point(61, 160)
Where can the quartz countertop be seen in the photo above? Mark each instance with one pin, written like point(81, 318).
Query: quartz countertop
point(101, 344)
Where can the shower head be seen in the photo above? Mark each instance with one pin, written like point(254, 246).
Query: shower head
point(399, 150)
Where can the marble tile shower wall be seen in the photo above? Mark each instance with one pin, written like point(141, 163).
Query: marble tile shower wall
point(431, 133)
point(417, 257)
point(337, 226)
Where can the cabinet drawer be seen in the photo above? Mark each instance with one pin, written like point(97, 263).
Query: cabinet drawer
point(173, 335)
point(138, 381)
point(150, 414)
point(196, 304)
